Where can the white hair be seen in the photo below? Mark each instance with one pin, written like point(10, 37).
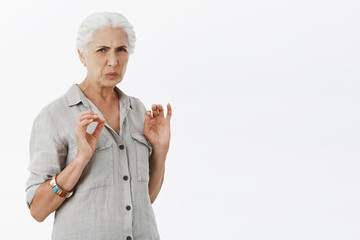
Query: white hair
point(101, 20)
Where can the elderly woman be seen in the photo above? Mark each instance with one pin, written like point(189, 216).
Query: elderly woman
point(97, 157)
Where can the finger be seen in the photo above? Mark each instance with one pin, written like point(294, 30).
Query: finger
point(154, 109)
point(98, 119)
point(169, 111)
point(87, 112)
point(148, 115)
point(84, 123)
point(161, 110)
point(98, 129)
point(88, 116)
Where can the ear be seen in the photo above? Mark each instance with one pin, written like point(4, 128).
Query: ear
point(82, 58)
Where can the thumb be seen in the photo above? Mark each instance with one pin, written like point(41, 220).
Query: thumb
point(147, 115)
point(98, 129)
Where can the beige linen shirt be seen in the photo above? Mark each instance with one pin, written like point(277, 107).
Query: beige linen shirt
point(111, 199)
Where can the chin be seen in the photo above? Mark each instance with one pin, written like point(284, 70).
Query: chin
point(111, 82)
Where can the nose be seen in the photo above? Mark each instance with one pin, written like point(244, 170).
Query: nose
point(112, 60)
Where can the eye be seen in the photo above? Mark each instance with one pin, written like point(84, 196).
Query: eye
point(101, 50)
point(121, 49)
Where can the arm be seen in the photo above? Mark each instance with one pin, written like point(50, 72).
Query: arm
point(157, 131)
point(45, 201)
point(157, 171)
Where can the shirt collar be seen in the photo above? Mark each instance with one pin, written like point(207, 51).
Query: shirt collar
point(74, 95)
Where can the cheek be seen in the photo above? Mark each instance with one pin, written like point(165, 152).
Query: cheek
point(124, 61)
point(96, 67)
point(100, 62)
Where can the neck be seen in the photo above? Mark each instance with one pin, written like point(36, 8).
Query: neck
point(98, 93)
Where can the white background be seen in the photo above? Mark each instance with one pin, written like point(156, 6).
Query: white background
point(265, 96)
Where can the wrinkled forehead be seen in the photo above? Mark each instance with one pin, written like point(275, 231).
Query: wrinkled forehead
point(111, 37)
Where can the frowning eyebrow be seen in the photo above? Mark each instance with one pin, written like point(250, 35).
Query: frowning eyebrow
point(109, 47)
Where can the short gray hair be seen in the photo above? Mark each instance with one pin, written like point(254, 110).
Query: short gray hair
point(101, 20)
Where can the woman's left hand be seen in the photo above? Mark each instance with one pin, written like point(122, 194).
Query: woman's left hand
point(157, 129)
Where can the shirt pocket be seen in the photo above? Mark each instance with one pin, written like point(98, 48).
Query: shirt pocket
point(99, 171)
point(143, 151)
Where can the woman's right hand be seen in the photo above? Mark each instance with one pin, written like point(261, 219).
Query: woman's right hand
point(86, 142)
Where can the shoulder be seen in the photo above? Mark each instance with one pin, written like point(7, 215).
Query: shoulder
point(45, 128)
point(54, 108)
point(137, 104)
point(55, 117)
point(58, 118)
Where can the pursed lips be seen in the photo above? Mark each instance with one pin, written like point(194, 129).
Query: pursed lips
point(112, 74)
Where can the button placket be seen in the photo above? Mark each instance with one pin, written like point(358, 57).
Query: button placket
point(122, 147)
point(127, 197)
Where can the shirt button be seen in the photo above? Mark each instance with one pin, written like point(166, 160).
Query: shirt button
point(128, 238)
point(128, 207)
point(121, 147)
point(125, 178)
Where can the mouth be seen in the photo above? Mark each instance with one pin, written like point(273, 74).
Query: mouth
point(112, 75)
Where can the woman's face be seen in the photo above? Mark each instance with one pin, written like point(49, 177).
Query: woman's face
point(107, 53)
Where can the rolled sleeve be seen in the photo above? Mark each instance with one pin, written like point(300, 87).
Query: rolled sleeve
point(47, 153)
